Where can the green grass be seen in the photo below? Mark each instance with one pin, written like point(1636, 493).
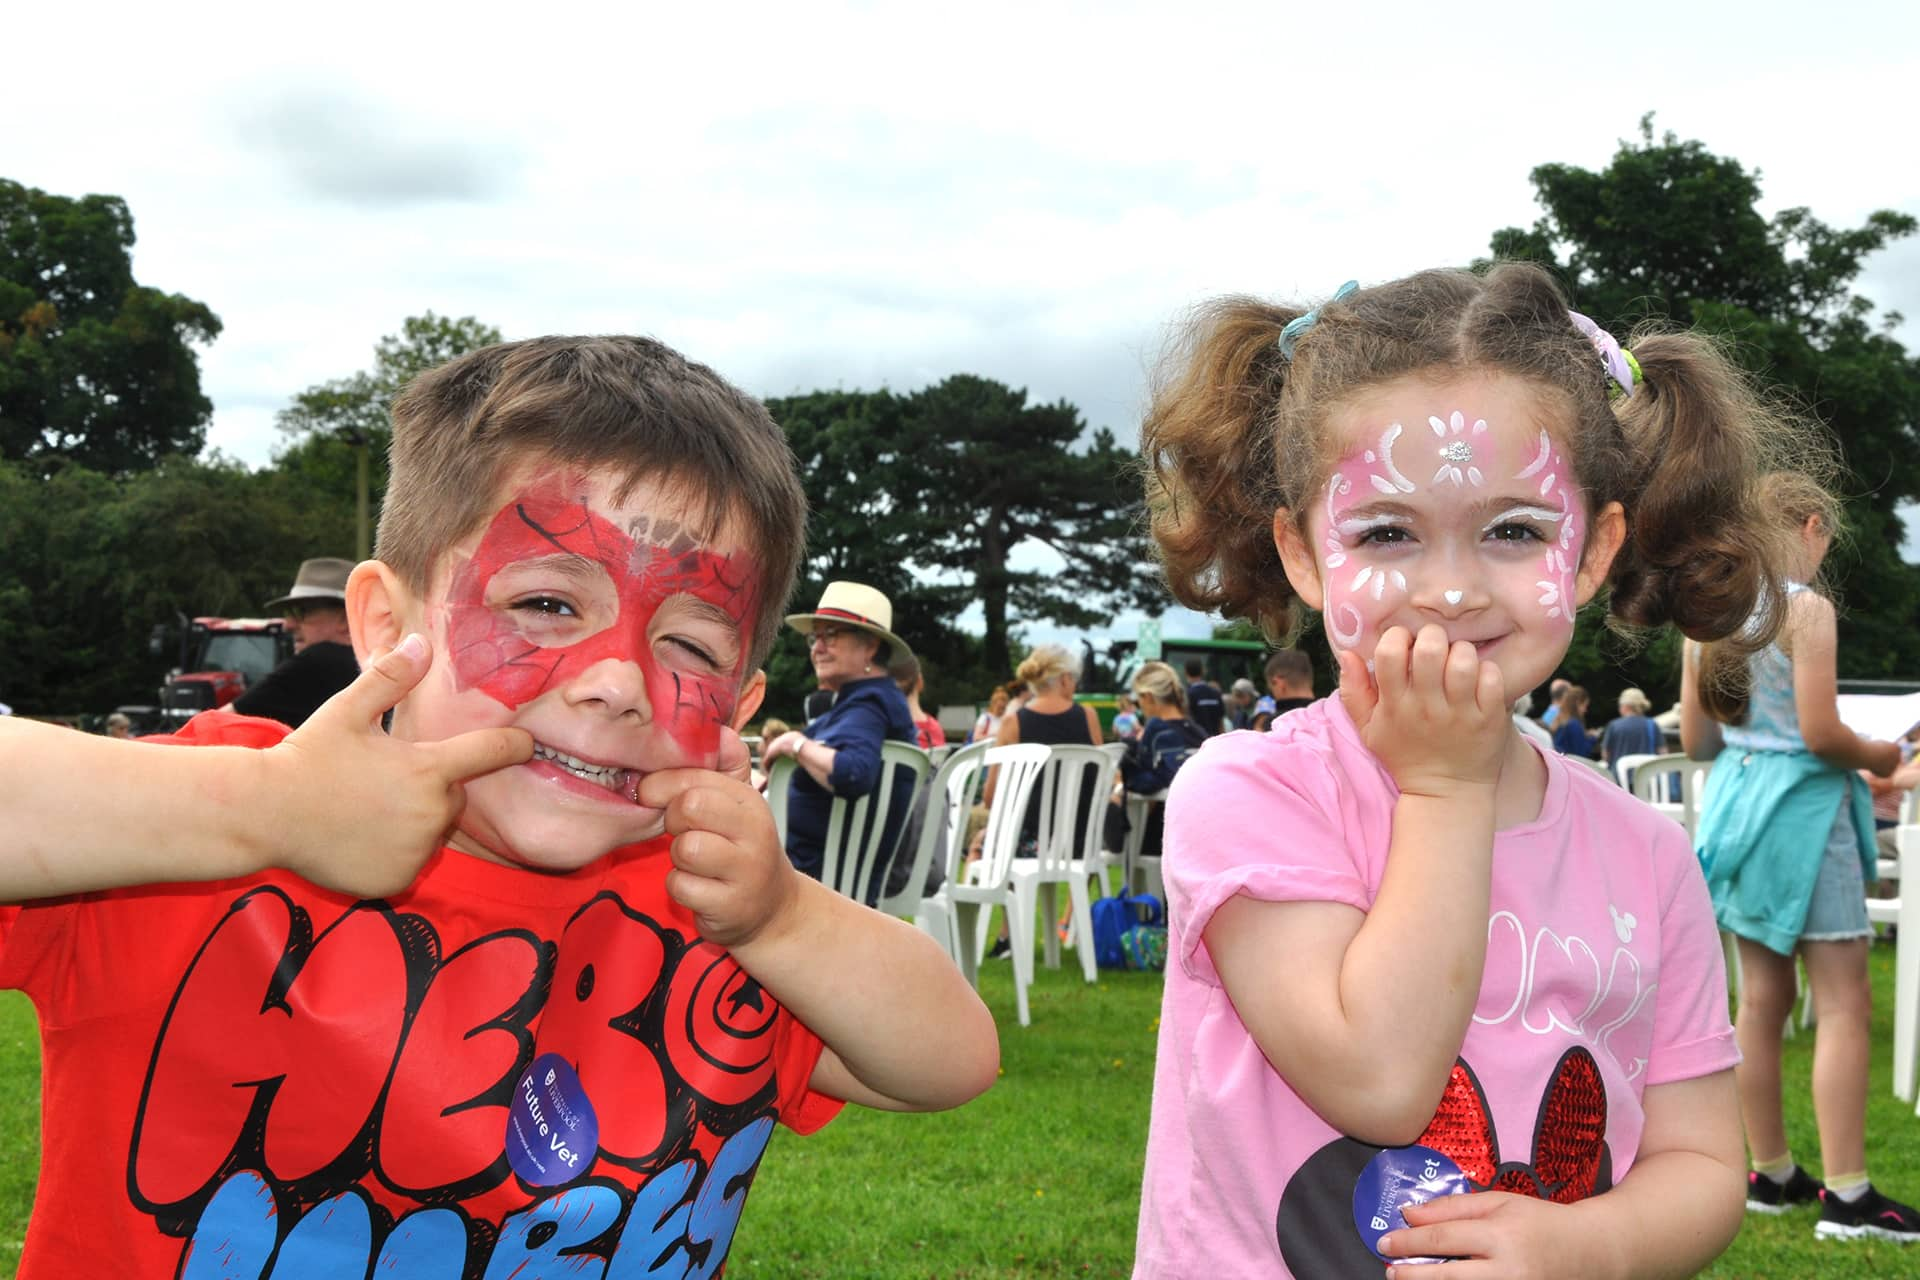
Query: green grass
point(1041, 1177)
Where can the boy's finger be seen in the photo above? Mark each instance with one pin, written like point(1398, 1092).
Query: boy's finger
point(468, 755)
point(701, 800)
point(696, 893)
point(385, 681)
point(734, 760)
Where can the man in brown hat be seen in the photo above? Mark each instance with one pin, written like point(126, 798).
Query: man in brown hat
point(322, 663)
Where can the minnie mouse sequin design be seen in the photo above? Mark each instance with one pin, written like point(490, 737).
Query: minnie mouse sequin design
point(1570, 1162)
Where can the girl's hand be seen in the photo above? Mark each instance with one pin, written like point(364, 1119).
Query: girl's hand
point(1882, 758)
point(1435, 715)
point(728, 867)
point(1489, 1234)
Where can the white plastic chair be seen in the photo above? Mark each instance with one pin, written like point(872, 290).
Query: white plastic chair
point(942, 830)
point(1141, 871)
point(1072, 799)
point(1906, 963)
point(988, 882)
point(1100, 860)
point(1623, 767)
point(1650, 781)
point(853, 862)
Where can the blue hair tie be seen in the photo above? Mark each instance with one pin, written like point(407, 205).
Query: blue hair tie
point(1300, 324)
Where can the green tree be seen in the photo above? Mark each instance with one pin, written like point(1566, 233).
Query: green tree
point(928, 496)
point(339, 429)
point(89, 563)
point(95, 368)
point(1671, 232)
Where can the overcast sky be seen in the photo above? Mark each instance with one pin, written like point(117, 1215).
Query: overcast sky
point(858, 195)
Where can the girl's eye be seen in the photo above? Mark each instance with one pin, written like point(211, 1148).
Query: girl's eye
point(550, 606)
point(1386, 536)
point(1513, 531)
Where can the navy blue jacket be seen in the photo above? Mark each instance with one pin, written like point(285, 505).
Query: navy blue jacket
point(867, 713)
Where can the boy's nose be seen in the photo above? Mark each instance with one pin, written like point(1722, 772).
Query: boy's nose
point(615, 684)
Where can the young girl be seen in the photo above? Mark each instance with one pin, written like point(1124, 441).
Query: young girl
point(1787, 841)
point(1394, 920)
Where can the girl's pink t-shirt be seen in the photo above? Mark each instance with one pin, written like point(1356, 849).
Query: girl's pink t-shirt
point(1603, 976)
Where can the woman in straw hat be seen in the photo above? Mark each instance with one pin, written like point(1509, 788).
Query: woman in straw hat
point(851, 641)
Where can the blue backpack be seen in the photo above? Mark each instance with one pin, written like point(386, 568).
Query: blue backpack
point(1115, 918)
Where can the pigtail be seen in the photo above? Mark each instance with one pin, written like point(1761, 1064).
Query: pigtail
point(1707, 549)
point(1212, 476)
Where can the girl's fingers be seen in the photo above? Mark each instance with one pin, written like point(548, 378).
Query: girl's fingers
point(1390, 664)
point(1426, 670)
point(1357, 690)
point(1461, 677)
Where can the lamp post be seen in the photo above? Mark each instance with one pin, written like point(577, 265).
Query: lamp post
point(362, 547)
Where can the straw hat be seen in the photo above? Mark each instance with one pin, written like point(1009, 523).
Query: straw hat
point(322, 581)
point(856, 605)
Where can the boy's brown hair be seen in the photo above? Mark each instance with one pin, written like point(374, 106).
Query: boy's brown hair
point(632, 405)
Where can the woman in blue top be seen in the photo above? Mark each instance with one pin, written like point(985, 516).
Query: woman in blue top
point(1786, 841)
point(1570, 736)
point(850, 640)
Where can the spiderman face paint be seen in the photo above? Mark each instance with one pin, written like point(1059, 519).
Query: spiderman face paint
point(553, 589)
point(1452, 504)
point(613, 632)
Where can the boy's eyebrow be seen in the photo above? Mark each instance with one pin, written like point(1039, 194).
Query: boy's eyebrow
point(568, 564)
point(705, 609)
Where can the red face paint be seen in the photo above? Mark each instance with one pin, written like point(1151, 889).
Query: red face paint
point(509, 653)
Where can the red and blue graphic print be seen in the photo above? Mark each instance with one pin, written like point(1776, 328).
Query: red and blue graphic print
point(351, 1099)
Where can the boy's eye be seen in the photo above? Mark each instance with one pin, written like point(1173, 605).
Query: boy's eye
point(551, 606)
point(697, 651)
point(1514, 531)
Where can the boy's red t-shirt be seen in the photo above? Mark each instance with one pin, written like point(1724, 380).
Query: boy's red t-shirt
point(495, 1073)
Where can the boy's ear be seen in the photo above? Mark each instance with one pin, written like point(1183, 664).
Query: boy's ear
point(751, 695)
point(380, 609)
point(1297, 559)
point(1604, 539)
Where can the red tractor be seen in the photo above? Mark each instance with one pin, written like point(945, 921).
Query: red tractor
point(218, 660)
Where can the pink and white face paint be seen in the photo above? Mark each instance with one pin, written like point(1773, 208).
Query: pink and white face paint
point(1452, 505)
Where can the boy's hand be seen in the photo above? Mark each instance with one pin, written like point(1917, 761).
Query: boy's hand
point(1435, 715)
point(728, 866)
point(736, 758)
point(359, 812)
point(1492, 1233)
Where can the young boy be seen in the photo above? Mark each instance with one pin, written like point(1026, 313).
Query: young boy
point(562, 1048)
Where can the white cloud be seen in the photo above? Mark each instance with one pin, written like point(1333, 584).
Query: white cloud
point(867, 194)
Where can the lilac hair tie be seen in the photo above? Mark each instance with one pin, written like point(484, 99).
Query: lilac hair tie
point(1621, 366)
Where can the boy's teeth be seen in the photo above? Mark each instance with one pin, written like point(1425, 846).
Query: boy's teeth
point(609, 778)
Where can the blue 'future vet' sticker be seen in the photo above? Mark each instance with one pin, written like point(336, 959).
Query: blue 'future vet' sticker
point(1394, 1179)
point(552, 1135)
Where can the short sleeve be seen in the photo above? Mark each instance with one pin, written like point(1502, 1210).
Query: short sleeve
point(1255, 815)
point(803, 1108)
point(1691, 1034)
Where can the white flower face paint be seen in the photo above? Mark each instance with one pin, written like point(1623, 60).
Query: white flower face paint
point(1488, 547)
